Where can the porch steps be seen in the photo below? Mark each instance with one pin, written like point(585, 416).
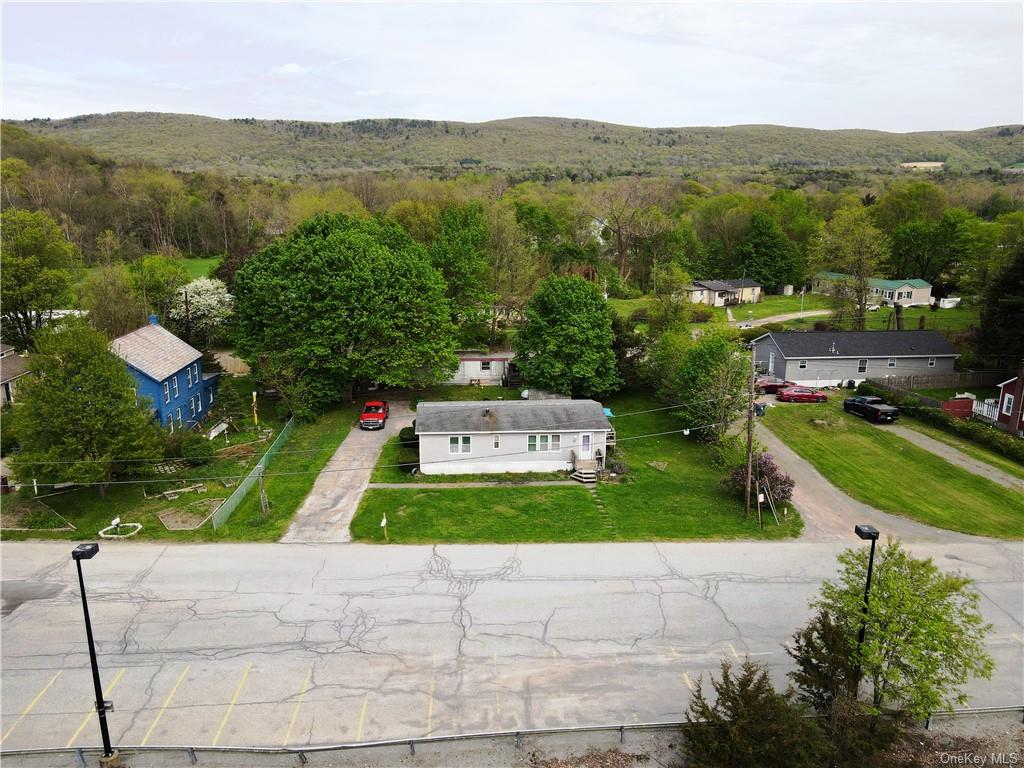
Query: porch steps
point(586, 476)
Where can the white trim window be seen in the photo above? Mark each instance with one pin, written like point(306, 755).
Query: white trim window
point(531, 443)
point(1007, 404)
point(199, 402)
point(556, 442)
point(175, 382)
point(497, 441)
point(931, 362)
point(195, 372)
point(892, 362)
point(485, 366)
point(167, 391)
point(188, 370)
point(803, 365)
point(862, 365)
point(170, 421)
point(179, 416)
point(192, 404)
point(543, 443)
point(460, 444)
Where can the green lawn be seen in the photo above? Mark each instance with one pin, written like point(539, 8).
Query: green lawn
point(779, 305)
point(893, 475)
point(948, 393)
point(394, 453)
point(305, 452)
point(626, 307)
point(201, 267)
point(975, 451)
point(958, 319)
point(683, 501)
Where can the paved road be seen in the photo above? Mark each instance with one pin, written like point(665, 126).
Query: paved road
point(952, 455)
point(273, 643)
point(328, 509)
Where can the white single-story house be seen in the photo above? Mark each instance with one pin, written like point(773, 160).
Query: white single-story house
point(12, 367)
point(460, 438)
point(827, 358)
point(909, 293)
point(719, 293)
point(476, 367)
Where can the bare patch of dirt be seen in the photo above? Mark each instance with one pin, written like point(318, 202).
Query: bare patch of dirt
point(610, 758)
point(923, 749)
point(20, 514)
point(189, 518)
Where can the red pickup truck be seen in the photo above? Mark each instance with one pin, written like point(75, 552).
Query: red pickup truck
point(374, 415)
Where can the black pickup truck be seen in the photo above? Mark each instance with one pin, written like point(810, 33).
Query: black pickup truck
point(871, 408)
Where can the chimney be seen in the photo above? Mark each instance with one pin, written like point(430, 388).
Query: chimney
point(154, 320)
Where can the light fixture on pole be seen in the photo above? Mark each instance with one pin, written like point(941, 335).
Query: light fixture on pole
point(865, 533)
point(111, 758)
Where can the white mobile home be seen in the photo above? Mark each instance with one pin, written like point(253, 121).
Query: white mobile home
point(484, 368)
point(460, 438)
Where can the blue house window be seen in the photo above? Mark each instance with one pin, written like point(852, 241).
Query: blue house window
point(175, 381)
point(199, 402)
point(195, 372)
point(179, 416)
point(167, 392)
point(189, 372)
point(192, 405)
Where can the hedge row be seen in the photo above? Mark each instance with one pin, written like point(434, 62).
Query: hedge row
point(975, 431)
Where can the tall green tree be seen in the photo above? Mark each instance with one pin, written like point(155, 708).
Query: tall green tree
point(36, 274)
point(908, 201)
point(79, 420)
point(749, 724)
point(566, 344)
point(1002, 333)
point(158, 279)
point(710, 383)
point(112, 301)
point(343, 300)
point(851, 244)
point(924, 635)
point(459, 252)
point(768, 255)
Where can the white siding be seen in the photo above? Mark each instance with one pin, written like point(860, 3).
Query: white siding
point(832, 371)
point(512, 455)
point(472, 370)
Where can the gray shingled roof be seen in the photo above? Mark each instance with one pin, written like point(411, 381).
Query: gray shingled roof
point(727, 285)
point(810, 344)
point(510, 416)
point(5, 348)
point(155, 351)
point(12, 367)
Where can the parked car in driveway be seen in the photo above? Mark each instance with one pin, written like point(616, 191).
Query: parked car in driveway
point(871, 408)
point(374, 415)
point(801, 395)
point(771, 384)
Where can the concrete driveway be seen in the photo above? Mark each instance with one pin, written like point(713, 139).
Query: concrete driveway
point(328, 509)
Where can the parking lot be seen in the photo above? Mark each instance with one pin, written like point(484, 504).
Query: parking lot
point(276, 645)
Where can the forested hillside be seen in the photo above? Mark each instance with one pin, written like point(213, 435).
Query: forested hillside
point(529, 147)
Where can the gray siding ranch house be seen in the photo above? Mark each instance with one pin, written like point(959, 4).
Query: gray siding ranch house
point(483, 368)
point(459, 438)
point(826, 358)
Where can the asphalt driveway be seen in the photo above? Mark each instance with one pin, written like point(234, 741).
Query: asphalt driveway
point(326, 512)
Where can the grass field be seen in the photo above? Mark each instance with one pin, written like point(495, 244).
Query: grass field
point(960, 318)
point(201, 267)
point(770, 306)
point(682, 500)
point(305, 453)
point(626, 307)
point(891, 474)
point(975, 451)
point(948, 393)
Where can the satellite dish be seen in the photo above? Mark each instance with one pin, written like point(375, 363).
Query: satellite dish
point(116, 522)
point(525, 394)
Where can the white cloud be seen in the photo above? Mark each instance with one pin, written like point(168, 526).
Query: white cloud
point(291, 68)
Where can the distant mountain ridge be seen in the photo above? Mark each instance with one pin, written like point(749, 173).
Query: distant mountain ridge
point(288, 148)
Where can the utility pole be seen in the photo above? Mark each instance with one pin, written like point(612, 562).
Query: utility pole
point(750, 428)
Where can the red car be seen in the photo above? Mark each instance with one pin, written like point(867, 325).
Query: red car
point(771, 384)
point(801, 395)
point(374, 415)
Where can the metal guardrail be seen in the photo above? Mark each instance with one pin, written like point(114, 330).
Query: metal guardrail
point(411, 743)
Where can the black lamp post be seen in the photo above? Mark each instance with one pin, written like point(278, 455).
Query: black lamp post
point(78, 554)
point(866, 533)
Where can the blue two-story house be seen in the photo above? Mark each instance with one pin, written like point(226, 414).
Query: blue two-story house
point(169, 372)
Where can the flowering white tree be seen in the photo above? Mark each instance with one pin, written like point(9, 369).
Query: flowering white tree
point(202, 306)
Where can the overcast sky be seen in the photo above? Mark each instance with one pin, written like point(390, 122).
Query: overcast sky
point(899, 67)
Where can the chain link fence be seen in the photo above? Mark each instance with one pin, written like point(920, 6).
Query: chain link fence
point(232, 502)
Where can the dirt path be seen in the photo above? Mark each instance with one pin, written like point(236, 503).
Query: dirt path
point(783, 318)
point(481, 484)
point(830, 514)
point(954, 456)
point(328, 509)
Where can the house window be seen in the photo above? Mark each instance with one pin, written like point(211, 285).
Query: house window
point(170, 421)
point(167, 392)
point(199, 402)
point(192, 404)
point(888, 294)
point(497, 440)
point(556, 442)
point(862, 365)
point(189, 372)
point(485, 366)
point(892, 362)
point(531, 443)
point(1007, 405)
point(459, 444)
point(211, 395)
point(931, 362)
point(543, 443)
point(195, 372)
point(175, 382)
point(179, 416)
point(803, 364)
